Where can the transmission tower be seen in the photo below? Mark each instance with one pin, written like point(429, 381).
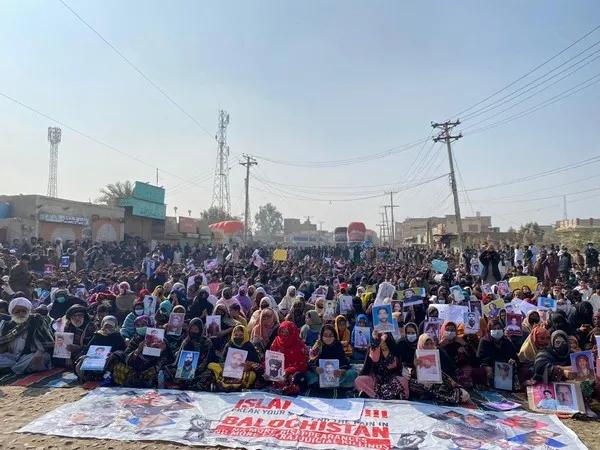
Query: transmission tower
point(221, 182)
point(54, 135)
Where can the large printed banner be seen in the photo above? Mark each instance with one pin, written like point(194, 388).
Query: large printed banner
point(257, 420)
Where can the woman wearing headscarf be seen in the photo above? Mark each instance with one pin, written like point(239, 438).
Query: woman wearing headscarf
point(264, 304)
point(265, 330)
point(581, 321)
point(461, 355)
point(554, 362)
point(448, 391)
point(289, 343)
point(244, 300)
point(286, 303)
point(490, 260)
point(381, 375)
point(432, 314)
point(343, 333)
point(328, 346)
point(158, 293)
point(538, 339)
point(311, 329)
point(195, 341)
point(124, 301)
point(408, 344)
point(495, 346)
point(296, 313)
point(532, 319)
point(26, 340)
point(239, 341)
point(107, 336)
point(128, 329)
point(83, 329)
point(227, 325)
point(200, 307)
point(134, 369)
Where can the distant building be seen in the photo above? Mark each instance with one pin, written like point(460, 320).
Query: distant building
point(291, 226)
point(572, 224)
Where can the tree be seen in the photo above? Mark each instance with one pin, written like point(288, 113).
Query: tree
point(530, 232)
point(215, 214)
point(269, 220)
point(112, 193)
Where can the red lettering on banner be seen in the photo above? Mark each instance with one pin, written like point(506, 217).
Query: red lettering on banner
point(275, 403)
point(230, 420)
point(381, 432)
point(308, 425)
point(276, 423)
point(362, 430)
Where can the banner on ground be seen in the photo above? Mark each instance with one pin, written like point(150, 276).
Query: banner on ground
point(256, 420)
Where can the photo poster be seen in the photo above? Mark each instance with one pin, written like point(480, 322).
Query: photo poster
point(382, 318)
point(65, 262)
point(213, 325)
point(327, 377)
point(582, 365)
point(471, 322)
point(556, 397)
point(329, 310)
point(503, 288)
point(503, 376)
point(95, 359)
point(456, 313)
point(274, 366)
point(361, 337)
point(61, 342)
point(526, 307)
point(152, 341)
point(492, 309)
point(428, 366)
point(186, 365)
point(397, 306)
point(513, 324)
point(150, 306)
point(486, 289)
point(475, 268)
point(457, 293)
point(476, 306)
point(235, 362)
point(439, 266)
point(547, 303)
point(48, 270)
point(175, 325)
point(432, 328)
point(345, 304)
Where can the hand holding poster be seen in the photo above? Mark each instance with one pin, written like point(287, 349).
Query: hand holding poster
point(513, 324)
point(186, 365)
point(503, 288)
point(329, 310)
point(439, 266)
point(345, 303)
point(547, 303)
point(235, 362)
point(471, 322)
point(150, 306)
point(61, 342)
point(153, 342)
point(361, 337)
point(382, 318)
point(457, 293)
point(428, 366)
point(95, 359)
point(274, 366)
point(328, 373)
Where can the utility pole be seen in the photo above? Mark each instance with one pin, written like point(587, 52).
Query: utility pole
point(565, 215)
point(157, 176)
point(387, 222)
point(250, 161)
point(445, 136)
point(393, 227)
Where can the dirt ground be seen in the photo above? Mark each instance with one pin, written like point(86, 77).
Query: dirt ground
point(20, 406)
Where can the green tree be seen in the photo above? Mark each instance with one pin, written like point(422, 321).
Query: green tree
point(530, 232)
point(215, 214)
point(269, 220)
point(112, 193)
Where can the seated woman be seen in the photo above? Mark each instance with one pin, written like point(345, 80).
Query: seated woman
point(553, 363)
point(200, 307)
point(311, 329)
point(462, 356)
point(240, 341)
point(296, 313)
point(532, 319)
point(538, 339)
point(329, 347)
point(495, 347)
point(172, 340)
point(227, 324)
point(408, 345)
point(26, 340)
point(263, 304)
point(236, 313)
point(265, 331)
point(381, 375)
point(448, 391)
point(127, 330)
point(83, 329)
point(132, 368)
point(107, 336)
point(289, 343)
point(341, 328)
point(195, 341)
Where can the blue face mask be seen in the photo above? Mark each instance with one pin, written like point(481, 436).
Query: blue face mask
point(60, 299)
point(141, 331)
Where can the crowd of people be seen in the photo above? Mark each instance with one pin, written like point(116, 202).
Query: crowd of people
point(321, 308)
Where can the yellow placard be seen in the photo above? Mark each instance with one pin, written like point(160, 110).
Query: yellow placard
point(519, 282)
point(280, 254)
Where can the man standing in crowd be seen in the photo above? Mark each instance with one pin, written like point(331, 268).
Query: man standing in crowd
point(20, 278)
point(591, 258)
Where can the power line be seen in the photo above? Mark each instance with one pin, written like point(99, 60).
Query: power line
point(138, 70)
point(539, 66)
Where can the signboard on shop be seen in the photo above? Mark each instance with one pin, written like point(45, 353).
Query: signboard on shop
point(62, 218)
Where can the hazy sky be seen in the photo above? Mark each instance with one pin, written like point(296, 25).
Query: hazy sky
point(302, 81)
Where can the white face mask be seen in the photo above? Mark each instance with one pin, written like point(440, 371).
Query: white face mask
point(20, 318)
point(450, 334)
point(497, 334)
point(411, 337)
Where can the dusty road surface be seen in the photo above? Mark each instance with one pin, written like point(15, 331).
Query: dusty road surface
point(20, 406)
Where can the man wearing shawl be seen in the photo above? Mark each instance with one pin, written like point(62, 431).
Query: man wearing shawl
point(25, 341)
